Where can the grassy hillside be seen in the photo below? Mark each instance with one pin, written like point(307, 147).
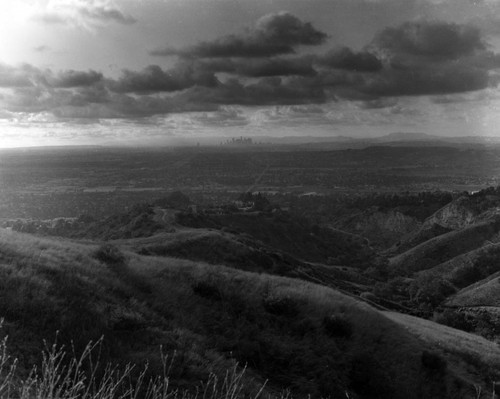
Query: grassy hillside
point(215, 247)
point(455, 345)
point(483, 293)
point(444, 247)
point(293, 235)
point(308, 338)
point(468, 268)
point(418, 236)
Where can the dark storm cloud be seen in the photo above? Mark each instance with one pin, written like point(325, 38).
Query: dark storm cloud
point(259, 67)
point(90, 95)
point(275, 67)
point(71, 78)
point(435, 40)
point(345, 58)
point(415, 58)
point(266, 91)
point(29, 76)
point(154, 79)
point(430, 57)
point(435, 79)
point(273, 34)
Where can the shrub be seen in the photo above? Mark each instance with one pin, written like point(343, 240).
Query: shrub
point(109, 254)
point(367, 377)
point(433, 362)
point(455, 319)
point(281, 306)
point(207, 290)
point(337, 326)
point(63, 376)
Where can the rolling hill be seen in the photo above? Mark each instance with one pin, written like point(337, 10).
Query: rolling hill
point(297, 335)
point(304, 306)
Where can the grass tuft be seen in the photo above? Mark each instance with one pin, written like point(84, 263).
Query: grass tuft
point(61, 376)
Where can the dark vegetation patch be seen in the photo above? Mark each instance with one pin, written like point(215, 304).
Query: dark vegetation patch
point(109, 254)
point(433, 362)
point(337, 326)
point(281, 305)
point(220, 248)
point(295, 236)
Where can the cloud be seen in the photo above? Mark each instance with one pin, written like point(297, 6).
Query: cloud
point(20, 76)
point(273, 34)
point(154, 79)
point(71, 78)
point(225, 117)
point(82, 13)
point(107, 14)
point(259, 67)
point(26, 75)
point(345, 58)
point(404, 60)
point(266, 91)
point(378, 103)
point(275, 67)
point(428, 58)
point(430, 39)
point(41, 49)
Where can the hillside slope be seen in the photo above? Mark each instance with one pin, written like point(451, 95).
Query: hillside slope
point(446, 246)
point(308, 338)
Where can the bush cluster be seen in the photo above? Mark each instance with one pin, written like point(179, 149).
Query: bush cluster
point(207, 290)
point(281, 306)
point(433, 362)
point(109, 254)
point(337, 326)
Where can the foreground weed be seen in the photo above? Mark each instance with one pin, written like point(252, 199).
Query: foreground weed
point(61, 376)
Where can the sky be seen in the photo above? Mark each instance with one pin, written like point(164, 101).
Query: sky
point(162, 72)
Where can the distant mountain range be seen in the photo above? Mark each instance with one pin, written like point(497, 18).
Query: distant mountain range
point(343, 142)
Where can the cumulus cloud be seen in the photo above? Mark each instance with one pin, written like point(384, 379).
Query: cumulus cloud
point(259, 67)
point(432, 79)
point(26, 75)
point(412, 59)
point(266, 91)
point(434, 40)
point(431, 57)
point(275, 67)
point(16, 76)
point(71, 78)
point(345, 58)
point(273, 34)
point(154, 79)
point(83, 13)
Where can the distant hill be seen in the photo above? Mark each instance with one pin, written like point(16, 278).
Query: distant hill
point(407, 137)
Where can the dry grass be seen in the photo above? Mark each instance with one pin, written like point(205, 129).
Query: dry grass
point(451, 340)
point(155, 297)
point(65, 376)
